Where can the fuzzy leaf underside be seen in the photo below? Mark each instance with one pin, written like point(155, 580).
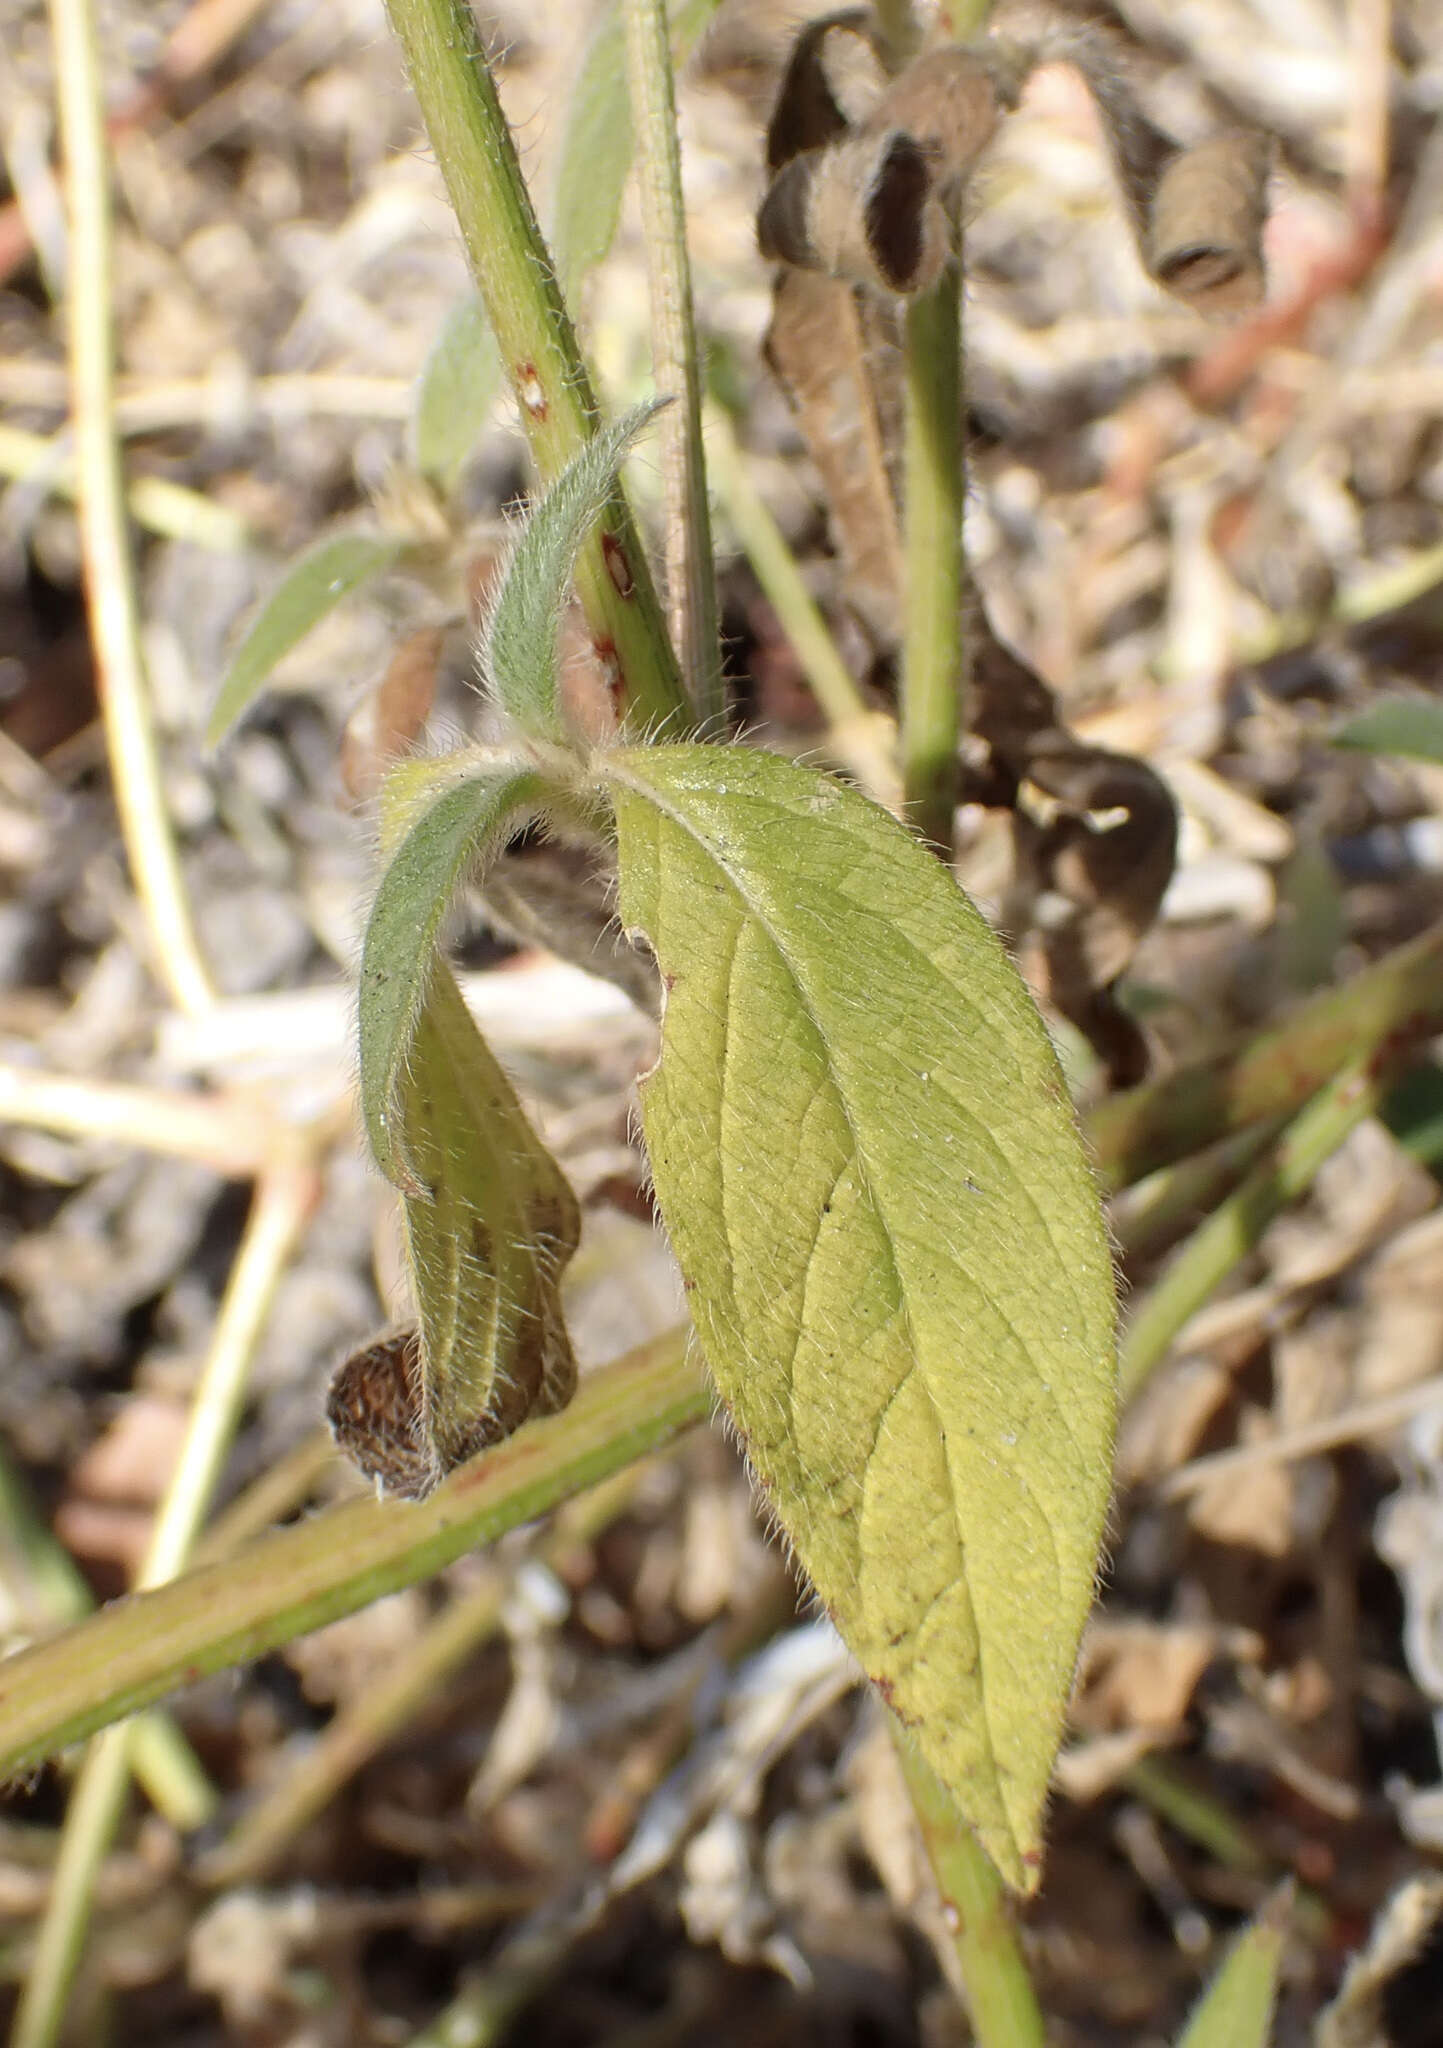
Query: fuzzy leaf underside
point(487, 1241)
point(456, 393)
point(1236, 2009)
point(519, 658)
point(315, 585)
point(893, 1246)
point(453, 834)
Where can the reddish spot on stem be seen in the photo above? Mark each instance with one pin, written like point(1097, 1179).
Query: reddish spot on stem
point(617, 566)
point(529, 391)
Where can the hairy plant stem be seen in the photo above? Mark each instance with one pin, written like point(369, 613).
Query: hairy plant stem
point(1001, 2002)
point(104, 535)
point(299, 1578)
point(283, 1203)
point(690, 567)
point(1216, 1247)
point(47, 1590)
point(509, 261)
point(932, 641)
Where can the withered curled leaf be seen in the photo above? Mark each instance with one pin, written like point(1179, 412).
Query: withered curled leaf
point(947, 101)
point(826, 346)
point(833, 78)
point(864, 209)
point(1205, 229)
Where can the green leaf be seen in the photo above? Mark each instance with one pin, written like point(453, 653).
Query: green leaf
point(456, 393)
point(314, 586)
point(1237, 2006)
point(457, 832)
point(486, 1242)
point(1412, 726)
point(892, 1243)
point(518, 648)
point(596, 155)
point(595, 158)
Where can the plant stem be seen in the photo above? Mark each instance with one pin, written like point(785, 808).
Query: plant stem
point(97, 1801)
point(283, 1202)
point(299, 1578)
point(1286, 1171)
point(901, 31)
point(104, 536)
point(932, 645)
point(1397, 1002)
point(1196, 1815)
point(862, 740)
point(47, 1590)
point(690, 567)
point(1001, 2002)
point(509, 261)
point(1145, 1218)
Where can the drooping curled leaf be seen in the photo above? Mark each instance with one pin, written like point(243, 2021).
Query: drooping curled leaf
point(1237, 2007)
point(486, 1240)
point(892, 1242)
point(518, 651)
point(456, 392)
point(456, 832)
point(1409, 726)
point(315, 585)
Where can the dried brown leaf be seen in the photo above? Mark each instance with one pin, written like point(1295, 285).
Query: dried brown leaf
point(947, 101)
point(833, 63)
point(822, 347)
point(390, 719)
point(865, 209)
point(1205, 223)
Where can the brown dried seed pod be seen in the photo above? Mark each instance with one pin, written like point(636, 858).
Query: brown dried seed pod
point(1205, 225)
point(863, 209)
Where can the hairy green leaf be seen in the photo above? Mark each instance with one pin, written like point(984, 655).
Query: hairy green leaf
point(892, 1243)
point(314, 586)
point(486, 1241)
point(459, 831)
point(1397, 725)
point(456, 393)
point(1237, 2006)
point(518, 649)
